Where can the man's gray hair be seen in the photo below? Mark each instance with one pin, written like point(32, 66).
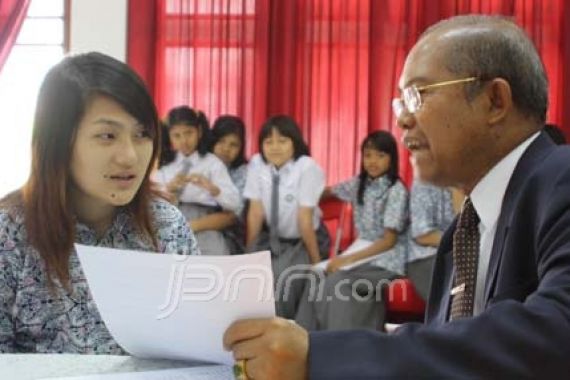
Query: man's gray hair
point(489, 47)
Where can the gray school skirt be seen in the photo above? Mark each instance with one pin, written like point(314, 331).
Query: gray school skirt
point(291, 267)
point(345, 300)
point(210, 242)
point(419, 271)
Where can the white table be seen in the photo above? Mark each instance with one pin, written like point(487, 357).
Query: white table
point(39, 366)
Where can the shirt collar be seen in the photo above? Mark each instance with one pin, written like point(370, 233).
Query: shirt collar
point(180, 157)
point(382, 180)
point(284, 169)
point(487, 196)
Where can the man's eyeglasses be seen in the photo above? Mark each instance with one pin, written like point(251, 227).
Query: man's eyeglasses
point(411, 99)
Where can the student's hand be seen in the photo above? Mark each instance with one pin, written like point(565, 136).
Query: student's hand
point(203, 182)
point(338, 262)
point(177, 183)
point(272, 348)
point(196, 225)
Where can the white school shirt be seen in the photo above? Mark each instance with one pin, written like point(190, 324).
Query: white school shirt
point(210, 167)
point(487, 197)
point(301, 183)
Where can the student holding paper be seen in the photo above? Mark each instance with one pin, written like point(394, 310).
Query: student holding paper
point(96, 134)
point(380, 203)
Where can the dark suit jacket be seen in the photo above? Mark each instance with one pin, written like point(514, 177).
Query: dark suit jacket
point(524, 330)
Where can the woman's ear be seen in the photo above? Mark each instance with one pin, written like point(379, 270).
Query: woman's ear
point(500, 100)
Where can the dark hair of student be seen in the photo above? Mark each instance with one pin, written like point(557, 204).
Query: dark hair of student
point(167, 155)
point(228, 125)
point(555, 133)
point(381, 141)
point(184, 115)
point(62, 100)
point(287, 127)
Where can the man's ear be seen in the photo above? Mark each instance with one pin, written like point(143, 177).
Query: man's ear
point(500, 98)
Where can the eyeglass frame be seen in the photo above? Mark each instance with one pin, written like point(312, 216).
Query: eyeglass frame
point(399, 105)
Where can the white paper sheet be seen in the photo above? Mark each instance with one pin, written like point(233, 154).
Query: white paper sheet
point(164, 306)
point(219, 372)
point(357, 245)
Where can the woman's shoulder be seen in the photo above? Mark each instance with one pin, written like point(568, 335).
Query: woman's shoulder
point(399, 187)
point(308, 163)
point(12, 226)
point(164, 212)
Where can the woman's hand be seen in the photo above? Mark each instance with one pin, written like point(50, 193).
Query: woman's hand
point(338, 262)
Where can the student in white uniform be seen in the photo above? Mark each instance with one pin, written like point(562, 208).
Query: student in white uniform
point(228, 144)
point(284, 186)
point(352, 298)
point(198, 181)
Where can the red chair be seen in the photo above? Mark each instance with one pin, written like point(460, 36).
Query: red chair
point(337, 218)
point(403, 304)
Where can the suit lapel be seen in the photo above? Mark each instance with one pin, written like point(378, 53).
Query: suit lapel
point(442, 280)
point(535, 153)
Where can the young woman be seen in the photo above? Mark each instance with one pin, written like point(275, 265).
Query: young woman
point(284, 185)
point(94, 139)
point(352, 298)
point(228, 144)
point(198, 181)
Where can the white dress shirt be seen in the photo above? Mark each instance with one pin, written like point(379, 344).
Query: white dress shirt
point(301, 183)
point(210, 167)
point(487, 198)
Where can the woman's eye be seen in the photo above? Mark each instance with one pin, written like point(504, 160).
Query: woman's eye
point(142, 134)
point(106, 136)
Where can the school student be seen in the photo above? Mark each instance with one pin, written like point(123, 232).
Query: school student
point(197, 180)
point(284, 185)
point(352, 298)
point(95, 136)
point(228, 144)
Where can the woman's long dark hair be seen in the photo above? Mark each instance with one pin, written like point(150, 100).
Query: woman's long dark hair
point(381, 141)
point(63, 98)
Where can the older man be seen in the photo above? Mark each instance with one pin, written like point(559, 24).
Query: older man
point(474, 100)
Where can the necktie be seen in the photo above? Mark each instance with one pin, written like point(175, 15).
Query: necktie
point(274, 219)
point(465, 261)
point(186, 165)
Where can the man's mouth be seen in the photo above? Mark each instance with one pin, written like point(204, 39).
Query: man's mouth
point(414, 144)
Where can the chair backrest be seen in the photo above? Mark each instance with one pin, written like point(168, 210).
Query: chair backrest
point(336, 214)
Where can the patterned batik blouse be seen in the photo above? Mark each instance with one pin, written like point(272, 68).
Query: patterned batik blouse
point(36, 320)
point(384, 206)
point(431, 209)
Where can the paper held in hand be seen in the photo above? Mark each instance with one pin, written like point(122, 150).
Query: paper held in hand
point(166, 306)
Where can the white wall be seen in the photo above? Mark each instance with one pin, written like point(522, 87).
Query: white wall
point(99, 25)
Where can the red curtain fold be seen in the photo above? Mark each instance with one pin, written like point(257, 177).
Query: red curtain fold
point(12, 15)
point(332, 64)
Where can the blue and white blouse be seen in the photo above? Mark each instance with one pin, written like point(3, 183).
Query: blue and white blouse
point(431, 209)
point(36, 320)
point(384, 206)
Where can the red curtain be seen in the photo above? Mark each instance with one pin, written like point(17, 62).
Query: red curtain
point(332, 64)
point(12, 15)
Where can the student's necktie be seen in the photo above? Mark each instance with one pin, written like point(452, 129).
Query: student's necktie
point(186, 165)
point(274, 220)
point(465, 261)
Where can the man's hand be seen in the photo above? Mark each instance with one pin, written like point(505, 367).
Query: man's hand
point(273, 348)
